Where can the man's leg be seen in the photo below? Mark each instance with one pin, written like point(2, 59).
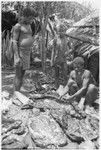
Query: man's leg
point(73, 88)
point(56, 76)
point(91, 95)
point(64, 72)
point(19, 73)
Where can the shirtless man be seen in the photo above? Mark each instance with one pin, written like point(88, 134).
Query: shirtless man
point(22, 43)
point(60, 60)
point(59, 56)
point(80, 84)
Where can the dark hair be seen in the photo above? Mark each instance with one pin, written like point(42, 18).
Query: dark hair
point(28, 11)
point(52, 17)
point(78, 60)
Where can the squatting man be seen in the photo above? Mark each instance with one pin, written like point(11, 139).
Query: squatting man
point(81, 84)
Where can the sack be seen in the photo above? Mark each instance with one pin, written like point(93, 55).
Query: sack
point(10, 52)
point(10, 49)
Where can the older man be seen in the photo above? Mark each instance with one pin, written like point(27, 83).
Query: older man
point(81, 84)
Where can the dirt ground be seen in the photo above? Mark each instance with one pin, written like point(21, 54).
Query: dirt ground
point(29, 81)
point(32, 77)
point(8, 78)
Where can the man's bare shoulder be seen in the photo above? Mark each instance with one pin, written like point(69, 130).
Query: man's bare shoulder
point(72, 72)
point(17, 27)
point(87, 73)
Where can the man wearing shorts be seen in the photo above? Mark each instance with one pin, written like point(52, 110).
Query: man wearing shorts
point(22, 43)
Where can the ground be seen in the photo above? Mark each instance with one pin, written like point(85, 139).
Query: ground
point(64, 120)
point(29, 81)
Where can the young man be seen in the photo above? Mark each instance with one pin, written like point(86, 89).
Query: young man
point(59, 55)
point(81, 84)
point(60, 60)
point(22, 43)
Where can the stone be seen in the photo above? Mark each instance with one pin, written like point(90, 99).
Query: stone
point(72, 146)
point(45, 131)
point(22, 98)
point(18, 114)
point(5, 104)
point(5, 94)
point(87, 145)
point(36, 111)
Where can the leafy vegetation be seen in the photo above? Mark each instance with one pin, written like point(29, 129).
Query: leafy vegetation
point(46, 121)
point(67, 13)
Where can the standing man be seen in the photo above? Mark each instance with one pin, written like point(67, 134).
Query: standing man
point(59, 55)
point(22, 43)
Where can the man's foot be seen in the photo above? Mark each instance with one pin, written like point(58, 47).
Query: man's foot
point(60, 90)
point(91, 111)
point(81, 103)
point(15, 100)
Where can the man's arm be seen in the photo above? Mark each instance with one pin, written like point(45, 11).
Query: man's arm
point(16, 32)
point(66, 89)
point(84, 86)
point(54, 51)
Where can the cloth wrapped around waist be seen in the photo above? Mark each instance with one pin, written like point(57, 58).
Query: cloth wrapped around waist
point(25, 57)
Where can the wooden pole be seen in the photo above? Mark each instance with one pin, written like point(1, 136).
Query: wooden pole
point(83, 40)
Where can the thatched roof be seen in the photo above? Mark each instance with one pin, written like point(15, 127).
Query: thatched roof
point(90, 20)
point(87, 49)
point(86, 32)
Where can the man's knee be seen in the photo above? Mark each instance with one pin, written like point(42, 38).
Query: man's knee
point(71, 83)
point(92, 89)
point(92, 93)
point(73, 88)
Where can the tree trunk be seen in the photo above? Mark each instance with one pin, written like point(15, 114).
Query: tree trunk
point(44, 21)
point(43, 50)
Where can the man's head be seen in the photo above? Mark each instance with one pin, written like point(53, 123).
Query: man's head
point(27, 14)
point(78, 63)
point(52, 17)
point(61, 30)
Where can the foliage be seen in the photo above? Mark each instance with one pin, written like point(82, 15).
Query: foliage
point(67, 10)
point(87, 29)
point(67, 13)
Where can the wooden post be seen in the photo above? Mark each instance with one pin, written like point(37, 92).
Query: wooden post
point(44, 21)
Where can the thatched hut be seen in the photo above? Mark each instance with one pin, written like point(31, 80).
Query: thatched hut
point(85, 37)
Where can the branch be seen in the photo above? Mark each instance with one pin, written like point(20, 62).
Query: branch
point(82, 39)
point(85, 26)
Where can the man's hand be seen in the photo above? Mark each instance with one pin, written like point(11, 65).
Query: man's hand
point(65, 98)
point(61, 97)
point(69, 98)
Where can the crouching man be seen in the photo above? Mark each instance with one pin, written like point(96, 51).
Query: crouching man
point(81, 84)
